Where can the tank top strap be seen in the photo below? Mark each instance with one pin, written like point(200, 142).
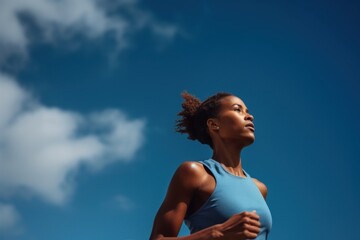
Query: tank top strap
point(214, 167)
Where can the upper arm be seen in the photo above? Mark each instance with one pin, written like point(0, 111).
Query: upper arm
point(184, 183)
point(262, 187)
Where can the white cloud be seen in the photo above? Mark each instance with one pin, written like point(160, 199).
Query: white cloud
point(124, 203)
point(41, 148)
point(65, 18)
point(9, 219)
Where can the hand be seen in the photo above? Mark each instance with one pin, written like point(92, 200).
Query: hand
point(242, 226)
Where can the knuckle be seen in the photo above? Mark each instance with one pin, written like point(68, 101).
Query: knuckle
point(251, 235)
point(247, 220)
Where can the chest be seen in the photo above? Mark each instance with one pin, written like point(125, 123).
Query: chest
point(221, 199)
point(232, 197)
point(236, 195)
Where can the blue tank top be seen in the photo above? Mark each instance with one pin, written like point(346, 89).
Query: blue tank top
point(232, 195)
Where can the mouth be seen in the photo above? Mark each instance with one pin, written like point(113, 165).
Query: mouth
point(250, 126)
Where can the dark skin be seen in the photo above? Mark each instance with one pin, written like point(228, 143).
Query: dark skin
point(192, 184)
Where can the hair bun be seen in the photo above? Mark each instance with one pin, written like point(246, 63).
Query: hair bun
point(194, 116)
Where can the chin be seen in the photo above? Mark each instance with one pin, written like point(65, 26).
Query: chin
point(248, 141)
point(245, 141)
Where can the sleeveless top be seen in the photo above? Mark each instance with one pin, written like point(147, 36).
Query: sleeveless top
point(232, 195)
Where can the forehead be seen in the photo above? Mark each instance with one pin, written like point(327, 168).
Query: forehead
point(231, 100)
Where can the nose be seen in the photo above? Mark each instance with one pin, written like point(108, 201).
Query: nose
point(249, 117)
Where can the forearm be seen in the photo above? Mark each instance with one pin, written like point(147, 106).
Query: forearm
point(212, 232)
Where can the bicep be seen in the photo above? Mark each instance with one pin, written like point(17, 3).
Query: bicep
point(169, 218)
point(172, 212)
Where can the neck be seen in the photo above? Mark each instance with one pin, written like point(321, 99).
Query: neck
point(229, 155)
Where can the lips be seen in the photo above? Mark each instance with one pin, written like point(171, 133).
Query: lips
point(250, 126)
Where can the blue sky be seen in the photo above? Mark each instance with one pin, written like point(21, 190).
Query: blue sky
point(89, 92)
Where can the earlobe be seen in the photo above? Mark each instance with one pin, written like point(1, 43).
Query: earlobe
point(212, 124)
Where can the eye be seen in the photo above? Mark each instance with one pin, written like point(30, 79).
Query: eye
point(237, 109)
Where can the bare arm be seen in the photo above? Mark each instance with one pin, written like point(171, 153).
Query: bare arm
point(186, 180)
point(183, 185)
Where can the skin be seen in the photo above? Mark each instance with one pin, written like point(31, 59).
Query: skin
point(192, 184)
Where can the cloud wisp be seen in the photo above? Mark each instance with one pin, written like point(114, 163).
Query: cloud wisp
point(124, 203)
point(41, 148)
point(9, 219)
point(64, 19)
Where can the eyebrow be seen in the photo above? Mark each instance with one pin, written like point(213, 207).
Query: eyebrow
point(240, 106)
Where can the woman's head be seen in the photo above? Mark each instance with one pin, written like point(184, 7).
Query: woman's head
point(215, 116)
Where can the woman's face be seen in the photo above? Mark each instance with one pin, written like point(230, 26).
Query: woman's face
point(235, 122)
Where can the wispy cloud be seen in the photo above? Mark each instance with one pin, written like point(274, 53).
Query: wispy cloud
point(41, 148)
point(9, 219)
point(124, 203)
point(64, 19)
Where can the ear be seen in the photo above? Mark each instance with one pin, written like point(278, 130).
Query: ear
point(213, 124)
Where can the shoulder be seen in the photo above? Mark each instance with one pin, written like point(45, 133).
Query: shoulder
point(262, 187)
point(190, 167)
point(190, 173)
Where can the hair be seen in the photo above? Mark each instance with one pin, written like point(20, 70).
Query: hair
point(194, 116)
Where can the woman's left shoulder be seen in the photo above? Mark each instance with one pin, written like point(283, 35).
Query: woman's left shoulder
point(262, 187)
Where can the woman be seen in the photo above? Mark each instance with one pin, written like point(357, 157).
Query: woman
point(216, 198)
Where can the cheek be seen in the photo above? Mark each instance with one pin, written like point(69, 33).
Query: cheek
point(232, 123)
